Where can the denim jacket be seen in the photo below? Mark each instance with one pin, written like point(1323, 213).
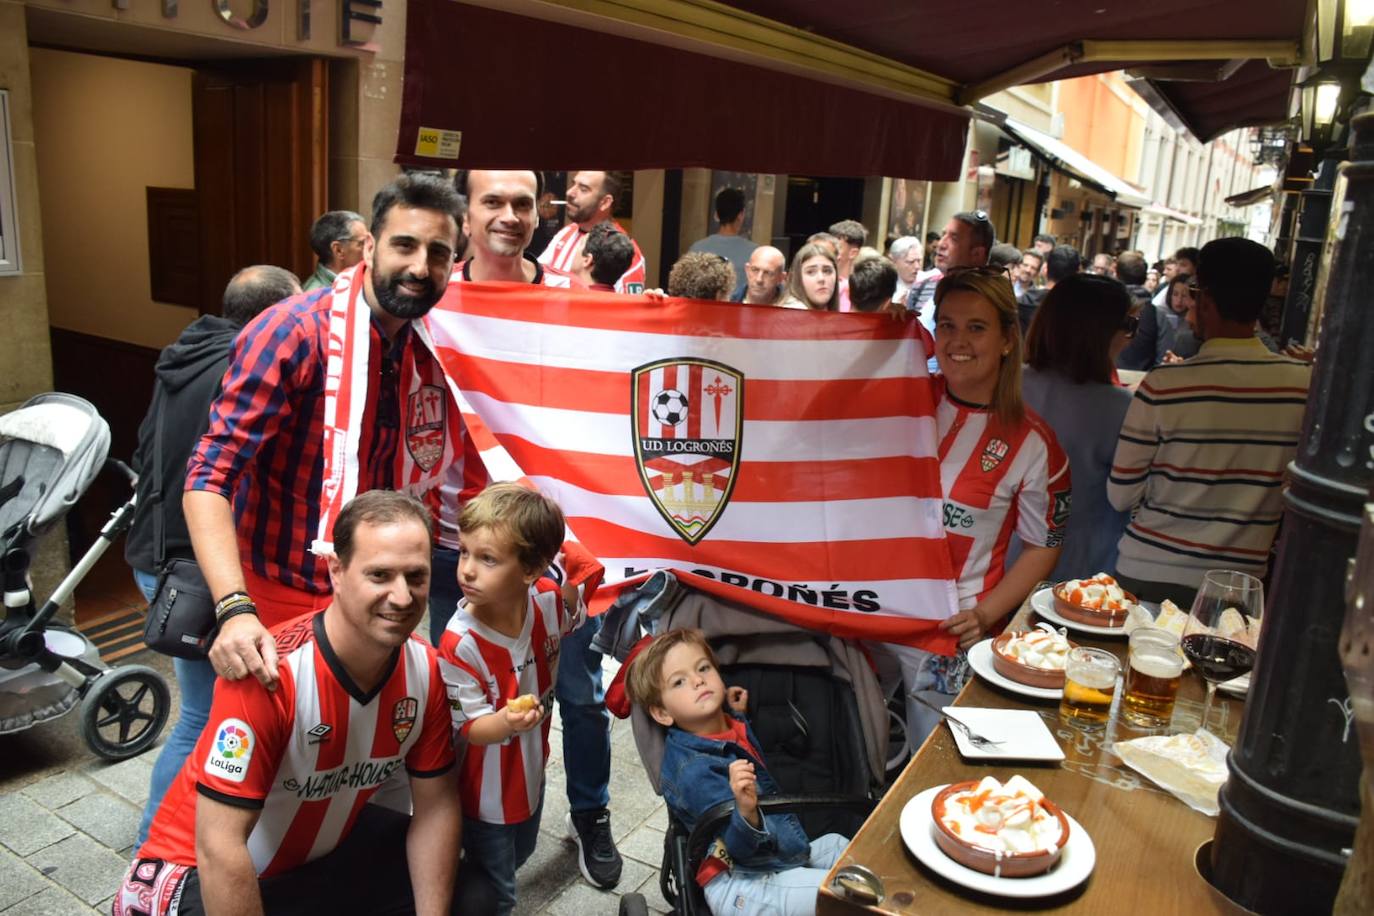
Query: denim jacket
point(695, 776)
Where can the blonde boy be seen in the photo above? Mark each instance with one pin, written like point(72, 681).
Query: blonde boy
point(758, 863)
point(499, 659)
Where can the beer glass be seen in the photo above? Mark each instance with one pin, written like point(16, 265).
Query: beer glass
point(1089, 682)
point(1153, 672)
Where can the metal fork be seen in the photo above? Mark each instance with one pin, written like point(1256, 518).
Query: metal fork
point(981, 742)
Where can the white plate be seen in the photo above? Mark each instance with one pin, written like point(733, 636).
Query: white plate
point(980, 660)
point(1075, 862)
point(1022, 732)
point(1042, 602)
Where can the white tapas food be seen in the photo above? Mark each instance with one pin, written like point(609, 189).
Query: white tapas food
point(1099, 600)
point(1003, 829)
point(1036, 657)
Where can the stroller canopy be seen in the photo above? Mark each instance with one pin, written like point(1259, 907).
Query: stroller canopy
point(50, 451)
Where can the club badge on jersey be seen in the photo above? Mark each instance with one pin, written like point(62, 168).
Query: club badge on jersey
point(232, 751)
point(425, 426)
point(688, 422)
point(403, 717)
point(993, 453)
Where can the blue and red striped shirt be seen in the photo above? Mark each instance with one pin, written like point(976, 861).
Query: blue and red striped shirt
point(263, 449)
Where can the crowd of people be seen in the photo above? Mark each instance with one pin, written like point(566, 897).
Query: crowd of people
point(1092, 415)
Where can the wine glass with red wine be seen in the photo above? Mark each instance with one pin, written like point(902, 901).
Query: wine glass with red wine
point(1222, 635)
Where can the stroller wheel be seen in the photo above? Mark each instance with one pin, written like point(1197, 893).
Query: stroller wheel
point(634, 905)
point(124, 710)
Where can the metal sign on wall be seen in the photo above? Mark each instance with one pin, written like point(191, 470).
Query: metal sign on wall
point(357, 18)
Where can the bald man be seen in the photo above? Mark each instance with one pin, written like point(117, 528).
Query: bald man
point(765, 276)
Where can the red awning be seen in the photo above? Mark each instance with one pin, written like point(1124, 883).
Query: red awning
point(975, 40)
point(1253, 96)
point(527, 92)
point(863, 87)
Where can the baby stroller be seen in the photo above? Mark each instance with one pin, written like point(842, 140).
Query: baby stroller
point(51, 450)
point(814, 703)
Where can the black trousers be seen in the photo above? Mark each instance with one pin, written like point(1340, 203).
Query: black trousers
point(366, 873)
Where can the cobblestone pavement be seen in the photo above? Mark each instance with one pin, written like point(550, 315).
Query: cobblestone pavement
point(68, 822)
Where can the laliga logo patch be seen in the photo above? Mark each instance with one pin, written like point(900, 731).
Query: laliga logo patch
point(688, 417)
point(232, 751)
point(403, 717)
point(993, 453)
point(425, 426)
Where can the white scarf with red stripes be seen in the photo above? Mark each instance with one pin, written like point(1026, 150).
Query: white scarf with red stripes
point(430, 427)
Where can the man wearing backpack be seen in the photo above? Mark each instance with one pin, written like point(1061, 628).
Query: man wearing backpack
point(188, 379)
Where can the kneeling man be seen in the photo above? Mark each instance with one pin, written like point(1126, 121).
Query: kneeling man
point(270, 811)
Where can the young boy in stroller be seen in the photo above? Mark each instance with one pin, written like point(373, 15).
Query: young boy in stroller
point(756, 863)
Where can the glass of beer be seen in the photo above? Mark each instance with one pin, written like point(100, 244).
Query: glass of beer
point(1089, 682)
point(1153, 673)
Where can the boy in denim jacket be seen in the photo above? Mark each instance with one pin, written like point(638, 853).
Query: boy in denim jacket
point(757, 864)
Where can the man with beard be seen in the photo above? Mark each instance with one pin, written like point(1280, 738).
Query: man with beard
point(591, 198)
point(254, 483)
point(1027, 274)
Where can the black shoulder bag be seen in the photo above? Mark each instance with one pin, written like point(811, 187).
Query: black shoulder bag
point(181, 618)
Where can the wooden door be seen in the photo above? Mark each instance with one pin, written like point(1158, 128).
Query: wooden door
point(262, 157)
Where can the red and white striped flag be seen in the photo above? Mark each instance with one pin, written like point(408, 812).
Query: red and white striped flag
point(785, 459)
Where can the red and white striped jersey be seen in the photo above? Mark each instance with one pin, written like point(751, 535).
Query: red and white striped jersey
point(997, 480)
point(563, 249)
point(467, 477)
point(483, 669)
point(309, 754)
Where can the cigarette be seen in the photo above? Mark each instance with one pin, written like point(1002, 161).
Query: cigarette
point(559, 203)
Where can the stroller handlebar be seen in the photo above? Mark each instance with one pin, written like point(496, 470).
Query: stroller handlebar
point(126, 471)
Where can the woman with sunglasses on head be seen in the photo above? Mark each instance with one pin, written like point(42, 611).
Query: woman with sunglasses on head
point(814, 281)
point(1001, 472)
point(1077, 333)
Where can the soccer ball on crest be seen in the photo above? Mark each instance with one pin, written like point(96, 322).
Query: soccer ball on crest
point(670, 407)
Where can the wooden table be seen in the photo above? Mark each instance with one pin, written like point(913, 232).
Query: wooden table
point(1145, 838)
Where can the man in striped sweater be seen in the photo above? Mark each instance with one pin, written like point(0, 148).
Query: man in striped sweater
point(1202, 454)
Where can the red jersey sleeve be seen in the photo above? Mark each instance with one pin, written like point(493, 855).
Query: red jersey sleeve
point(1045, 495)
point(244, 740)
point(459, 662)
point(432, 755)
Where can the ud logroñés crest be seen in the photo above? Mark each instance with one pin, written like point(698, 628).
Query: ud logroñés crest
point(688, 417)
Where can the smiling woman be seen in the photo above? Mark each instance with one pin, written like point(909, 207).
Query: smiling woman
point(1001, 472)
point(978, 340)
